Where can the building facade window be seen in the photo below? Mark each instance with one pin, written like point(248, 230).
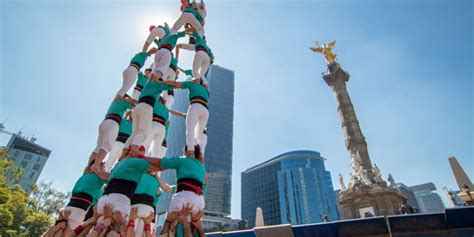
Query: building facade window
point(28, 156)
point(16, 153)
point(37, 166)
point(24, 163)
point(32, 175)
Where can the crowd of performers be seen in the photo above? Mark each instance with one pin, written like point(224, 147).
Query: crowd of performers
point(118, 196)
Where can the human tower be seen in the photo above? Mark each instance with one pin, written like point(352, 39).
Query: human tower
point(117, 196)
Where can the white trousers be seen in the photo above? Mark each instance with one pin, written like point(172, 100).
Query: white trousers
point(159, 151)
point(114, 155)
point(120, 202)
point(108, 131)
point(76, 218)
point(202, 141)
point(143, 211)
point(157, 32)
point(187, 17)
point(201, 65)
point(136, 94)
point(169, 99)
point(141, 122)
point(130, 75)
point(162, 62)
point(155, 135)
point(196, 121)
point(170, 75)
point(186, 197)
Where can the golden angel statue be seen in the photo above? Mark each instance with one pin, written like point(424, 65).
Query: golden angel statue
point(325, 49)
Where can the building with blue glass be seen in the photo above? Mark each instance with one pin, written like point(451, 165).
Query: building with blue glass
point(294, 188)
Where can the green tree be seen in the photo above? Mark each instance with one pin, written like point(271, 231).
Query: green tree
point(21, 215)
point(13, 199)
point(45, 199)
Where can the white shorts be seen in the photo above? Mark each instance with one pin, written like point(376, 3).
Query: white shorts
point(76, 218)
point(108, 131)
point(184, 197)
point(120, 202)
point(162, 62)
point(171, 75)
point(169, 99)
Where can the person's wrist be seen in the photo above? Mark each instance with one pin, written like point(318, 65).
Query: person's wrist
point(131, 224)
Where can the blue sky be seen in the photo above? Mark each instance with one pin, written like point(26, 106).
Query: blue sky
point(410, 64)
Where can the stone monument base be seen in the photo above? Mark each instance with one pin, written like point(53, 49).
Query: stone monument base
point(369, 200)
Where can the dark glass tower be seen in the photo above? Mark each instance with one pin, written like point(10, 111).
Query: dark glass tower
point(219, 146)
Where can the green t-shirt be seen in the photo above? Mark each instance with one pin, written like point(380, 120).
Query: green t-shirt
point(200, 42)
point(166, 29)
point(167, 126)
point(189, 73)
point(194, 12)
point(204, 189)
point(154, 89)
point(148, 185)
point(131, 169)
point(125, 126)
point(119, 107)
point(174, 62)
point(185, 167)
point(171, 39)
point(91, 184)
point(195, 89)
point(161, 110)
point(142, 80)
point(140, 58)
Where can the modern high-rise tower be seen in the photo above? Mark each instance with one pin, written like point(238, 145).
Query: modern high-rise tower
point(219, 146)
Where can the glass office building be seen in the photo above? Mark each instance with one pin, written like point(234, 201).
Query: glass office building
point(28, 155)
point(294, 187)
point(428, 200)
point(220, 128)
point(219, 145)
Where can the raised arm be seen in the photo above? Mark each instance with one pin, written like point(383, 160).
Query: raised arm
point(152, 51)
point(153, 34)
point(165, 186)
point(176, 113)
point(155, 162)
point(104, 175)
point(175, 84)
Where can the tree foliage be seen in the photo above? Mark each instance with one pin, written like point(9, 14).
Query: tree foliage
point(21, 215)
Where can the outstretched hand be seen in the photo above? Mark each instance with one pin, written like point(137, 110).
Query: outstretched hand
point(133, 214)
point(149, 218)
point(186, 209)
point(152, 50)
point(108, 208)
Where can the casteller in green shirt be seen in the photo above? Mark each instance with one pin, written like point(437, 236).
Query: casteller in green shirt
point(91, 184)
point(139, 59)
point(186, 167)
point(195, 90)
point(154, 89)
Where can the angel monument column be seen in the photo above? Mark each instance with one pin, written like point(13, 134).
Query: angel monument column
point(367, 193)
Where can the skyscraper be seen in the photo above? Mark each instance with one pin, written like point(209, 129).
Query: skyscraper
point(220, 128)
point(428, 200)
point(294, 187)
point(219, 146)
point(30, 156)
point(408, 192)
